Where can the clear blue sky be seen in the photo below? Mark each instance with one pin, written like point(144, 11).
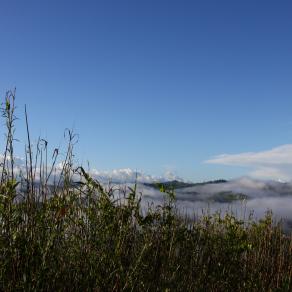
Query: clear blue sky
point(152, 85)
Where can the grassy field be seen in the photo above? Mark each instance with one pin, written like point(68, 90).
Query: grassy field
point(76, 235)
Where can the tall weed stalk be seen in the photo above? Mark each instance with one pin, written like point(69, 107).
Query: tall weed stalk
point(74, 234)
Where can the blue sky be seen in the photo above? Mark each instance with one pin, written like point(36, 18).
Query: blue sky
point(156, 85)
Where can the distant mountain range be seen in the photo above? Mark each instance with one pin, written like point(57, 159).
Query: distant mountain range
point(175, 184)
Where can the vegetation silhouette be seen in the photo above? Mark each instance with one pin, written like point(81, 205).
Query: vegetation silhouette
point(75, 235)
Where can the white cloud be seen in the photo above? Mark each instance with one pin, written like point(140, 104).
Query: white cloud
point(270, 164)
point(128, 175)
point(123, 175)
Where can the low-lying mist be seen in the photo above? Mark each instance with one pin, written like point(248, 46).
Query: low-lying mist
point(243, 196)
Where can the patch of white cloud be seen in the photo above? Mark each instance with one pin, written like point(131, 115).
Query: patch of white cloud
point(127, 175)
point(273, 164)
point(123, 175)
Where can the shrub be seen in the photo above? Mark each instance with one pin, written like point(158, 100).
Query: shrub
point(77, 236)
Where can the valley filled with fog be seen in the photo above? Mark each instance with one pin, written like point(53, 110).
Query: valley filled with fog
point(243, 196)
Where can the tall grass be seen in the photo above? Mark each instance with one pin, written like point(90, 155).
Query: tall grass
point(77, 236)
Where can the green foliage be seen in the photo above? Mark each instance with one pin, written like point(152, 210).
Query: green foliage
point(82, 237)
